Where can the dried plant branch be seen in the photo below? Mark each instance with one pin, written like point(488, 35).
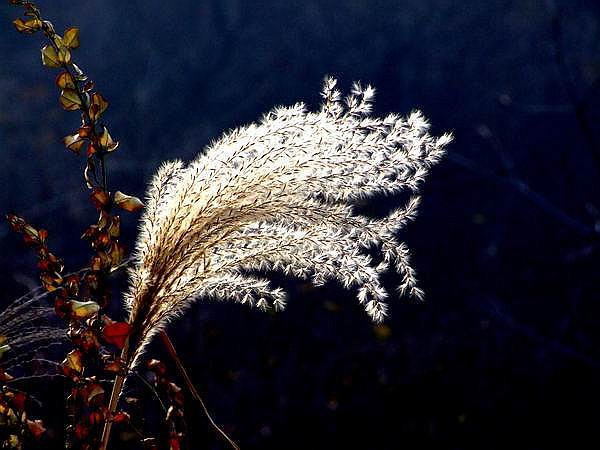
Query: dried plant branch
point(190, 385)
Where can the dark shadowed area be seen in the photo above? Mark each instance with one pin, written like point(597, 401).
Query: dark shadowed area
point(504, 352)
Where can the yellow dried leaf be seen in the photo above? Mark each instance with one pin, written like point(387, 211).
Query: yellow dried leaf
point(73, 361)
point(127, 202)
point(29, 26)
point(64, 55)
point(50, 57)
point(71, 38)
point(84, 310)
point(69, 99)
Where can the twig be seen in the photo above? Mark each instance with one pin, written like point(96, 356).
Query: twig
point(579, 106)
point(173, 354)
point(518, 184)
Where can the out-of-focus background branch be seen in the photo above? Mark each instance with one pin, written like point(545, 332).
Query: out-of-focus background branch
point(507, 242)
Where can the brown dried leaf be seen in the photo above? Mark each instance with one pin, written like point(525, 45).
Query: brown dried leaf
point(91, 280)
point(93, 391)
point(74, 142)
point(88, 86)
point(128, 202)
point(50, 281)
point(71, 38)
point(106, 141)
point(64, 80)
point(85, 131)
point(100, 261)
point(97, 106)
point(121, 417)
point(100, 198)
point(36, 427)
point(116, 333)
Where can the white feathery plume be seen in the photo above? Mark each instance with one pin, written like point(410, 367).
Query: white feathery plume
point(278, 195)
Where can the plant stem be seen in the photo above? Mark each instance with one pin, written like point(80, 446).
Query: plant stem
point(114, 398)
point(188, 381)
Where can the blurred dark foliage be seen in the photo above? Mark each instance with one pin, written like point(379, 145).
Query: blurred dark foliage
point(507, 242)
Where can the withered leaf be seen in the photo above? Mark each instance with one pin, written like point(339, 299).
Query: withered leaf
point(97, 106)
point(50, 57)
point(93, 390)
point(106, 141)
point(85, 131)
point(84, 310)
point(64, 55)
point(29, 26)
point(15, 222)
point(64, 80)
point(91, 280)
point(88, 86)
point(36, 427)
point(18, 400)
point(127, 202)
point(82, 431)
point(43, 235)
point(71, 38)
point(72, 284)
point(113, 367)
point(116, 254)
point(74, 142)
point(174, 443)
point(121, 417)
point(116, 333)
point(114, 229)
point(157, 367)
point(69, 99)
point(100, 198)
point(72, 363)
point(51, 282)
point(91, 150)
point(62, 52)
point(5, 376)
point(100, 261)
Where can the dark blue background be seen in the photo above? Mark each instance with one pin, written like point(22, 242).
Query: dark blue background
point(505, 350)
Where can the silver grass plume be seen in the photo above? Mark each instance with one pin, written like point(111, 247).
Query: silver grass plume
point(278, 196)
point(26, 328)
